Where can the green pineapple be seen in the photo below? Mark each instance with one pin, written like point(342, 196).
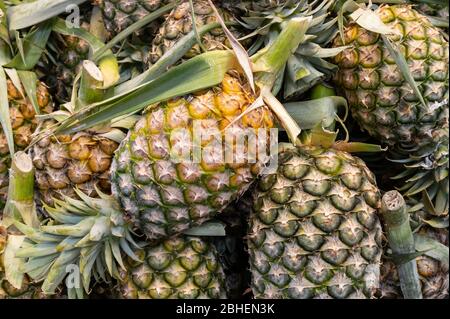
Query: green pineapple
point(71, 51)
point(120, 14)
point(314, 232)
point(179, 23)
point(178, 268)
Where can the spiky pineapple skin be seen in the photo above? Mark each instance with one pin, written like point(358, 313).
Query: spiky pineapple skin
point(179, 23)
point(120, 14)
point(314, 232)
point(178, 268)
point(165, 195)
point(65, 162)
point(23, 123)
point(380, 99)
point(68, 53)
point(70, 61)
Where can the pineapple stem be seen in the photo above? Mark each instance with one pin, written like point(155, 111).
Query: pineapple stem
point(91, 85)
point(20, 204)
point(401, 241)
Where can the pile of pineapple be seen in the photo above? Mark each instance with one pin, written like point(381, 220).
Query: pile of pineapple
point(98, 97)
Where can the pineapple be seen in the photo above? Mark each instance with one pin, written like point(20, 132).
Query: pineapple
point(182, 267)
point(314, 232)
point(65, 54)
point(164, 196)
point(65, 162)
point(179, 23)
point(384, 104)
point(178, 268)
point(120, 14)
point(70, 52)
point(380, 99)
point(24, 123)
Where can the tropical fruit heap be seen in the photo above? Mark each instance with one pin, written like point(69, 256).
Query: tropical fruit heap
point(270, 149)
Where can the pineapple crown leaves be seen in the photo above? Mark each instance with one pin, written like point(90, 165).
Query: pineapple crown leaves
point(135, 27)
point(426, 173)
point(432, 248)
point(198, 73)
point(308, 65)
point(90, 233)
point(30, 47)
point(239, 50)
point(5, 43)
point(30, 13)
point(172, 56)
point(29, 50)
point(322, 110)
point(4, 111)
point(427, 214)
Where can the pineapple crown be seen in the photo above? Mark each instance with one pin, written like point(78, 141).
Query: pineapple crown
point(426, 173)
point(90, 235)
point(89, 238)
point(307, 66)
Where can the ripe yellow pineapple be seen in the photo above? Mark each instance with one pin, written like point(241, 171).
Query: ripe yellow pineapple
point(164, 197)
point(386, 106)
point(381, 100)
point(179, 23)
